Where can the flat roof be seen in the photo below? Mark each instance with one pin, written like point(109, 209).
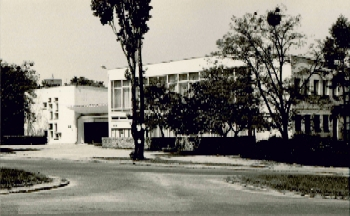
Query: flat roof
point(178, 67)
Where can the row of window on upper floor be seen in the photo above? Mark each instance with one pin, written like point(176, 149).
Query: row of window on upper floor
point(171, 78)
point(323, 87)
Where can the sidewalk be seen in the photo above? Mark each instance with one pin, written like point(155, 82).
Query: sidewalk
point(84, 152)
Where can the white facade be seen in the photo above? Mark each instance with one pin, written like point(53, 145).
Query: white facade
point(175, 73)
point(60, 111)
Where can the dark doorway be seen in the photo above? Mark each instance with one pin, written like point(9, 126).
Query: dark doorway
point(94, 131)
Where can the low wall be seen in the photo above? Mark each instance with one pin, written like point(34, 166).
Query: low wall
point(204, 145)
point(23, 140)
point(118, 142)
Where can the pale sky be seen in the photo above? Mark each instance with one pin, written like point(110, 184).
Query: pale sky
point(64, 39)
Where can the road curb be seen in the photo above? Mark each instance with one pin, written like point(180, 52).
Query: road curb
point(57, 182)
point(226, 167)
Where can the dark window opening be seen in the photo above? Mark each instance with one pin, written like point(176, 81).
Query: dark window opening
point(316, 87)
point(298, 123)
point(317, 123)
point(307, 124)
point(325, 123)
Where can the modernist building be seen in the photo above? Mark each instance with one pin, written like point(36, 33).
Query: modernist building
point(313, 111)
point(177, 74)
point(70, 114)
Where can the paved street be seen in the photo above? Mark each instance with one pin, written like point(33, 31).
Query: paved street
point(99, 188)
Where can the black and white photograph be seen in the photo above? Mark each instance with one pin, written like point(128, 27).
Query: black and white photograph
point(175, 107)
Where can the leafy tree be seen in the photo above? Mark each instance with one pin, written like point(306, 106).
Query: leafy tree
point(336, 53)
point(157, 100)
point(226, 100)
point(263, 43)
point(131, 16)
point(183, 115)
point(17, 90)
point(82, 81)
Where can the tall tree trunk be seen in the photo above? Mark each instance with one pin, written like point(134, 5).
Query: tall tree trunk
point(134, 107)
point(140, 153)
point(285, 129)
point(161, 131)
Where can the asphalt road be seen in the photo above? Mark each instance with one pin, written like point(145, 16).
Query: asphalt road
point(114, 189)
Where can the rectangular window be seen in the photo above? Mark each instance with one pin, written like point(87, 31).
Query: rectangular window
point(194, 76)
point(183, 88)
point(317, 126)
point(325, 123)
point(56, 99)
point(172, 78)
point(55, 127)
point(153, 81)
point(50, 106)
point(126, 97)
point(162, 80)
point(50, 126)
point(183, 77)
point(121, 133)
point(56, 115)
point(114, 132)
point(117, 98)
point(117, 83)
point(128, 132)
point(51, 115)
point(298, 123)
point(325, 87)
point(316, 87)
point(49, 100)
point(126, 82)
point(307, 124)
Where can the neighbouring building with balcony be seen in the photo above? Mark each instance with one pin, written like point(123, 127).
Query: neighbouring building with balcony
point(317, 98)
point(70, 114)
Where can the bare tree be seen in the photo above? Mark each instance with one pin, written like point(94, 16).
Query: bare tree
point(264, 43)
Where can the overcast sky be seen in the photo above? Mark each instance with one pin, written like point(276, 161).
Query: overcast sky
point(64, 39)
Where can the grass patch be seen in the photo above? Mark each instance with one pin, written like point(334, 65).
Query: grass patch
point(10, 178)
point(322, 185)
